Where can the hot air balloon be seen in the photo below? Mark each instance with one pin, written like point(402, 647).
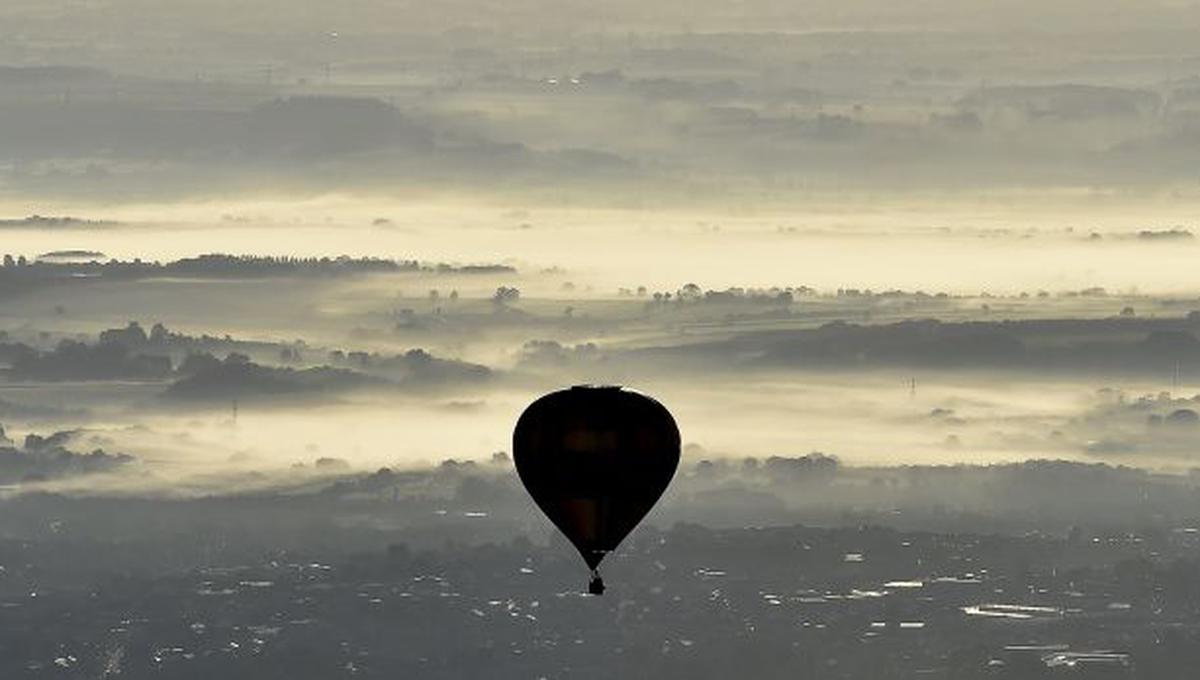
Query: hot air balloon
point(596, 460)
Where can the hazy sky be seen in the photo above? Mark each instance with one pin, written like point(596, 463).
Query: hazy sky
point(616, 102)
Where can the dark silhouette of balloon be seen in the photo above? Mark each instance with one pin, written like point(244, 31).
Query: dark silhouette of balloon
point(596, 460)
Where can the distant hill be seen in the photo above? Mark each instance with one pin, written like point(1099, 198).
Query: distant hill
point(238, 377)
point(1104, 346)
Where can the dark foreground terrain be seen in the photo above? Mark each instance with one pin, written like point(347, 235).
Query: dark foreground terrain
point(354, 581)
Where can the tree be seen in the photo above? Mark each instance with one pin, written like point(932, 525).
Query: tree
point(505, 295)
point(689, 292)
point(158, 333)
point(131, 335)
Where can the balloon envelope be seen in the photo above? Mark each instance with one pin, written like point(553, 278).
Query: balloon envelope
point(595, 460)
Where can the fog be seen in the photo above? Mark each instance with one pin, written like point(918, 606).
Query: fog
point(996, 246)
point(916, 281)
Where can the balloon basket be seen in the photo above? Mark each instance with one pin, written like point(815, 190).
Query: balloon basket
point(596, 585)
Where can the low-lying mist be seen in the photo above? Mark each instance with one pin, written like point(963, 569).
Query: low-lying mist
point(1022, 242)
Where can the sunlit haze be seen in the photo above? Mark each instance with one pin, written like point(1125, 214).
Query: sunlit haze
point(917, 283)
